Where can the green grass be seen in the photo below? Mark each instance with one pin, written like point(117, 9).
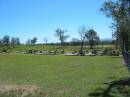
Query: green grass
point(61, 76)
point(52, 47)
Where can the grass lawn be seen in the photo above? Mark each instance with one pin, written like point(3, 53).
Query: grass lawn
point(61, 76)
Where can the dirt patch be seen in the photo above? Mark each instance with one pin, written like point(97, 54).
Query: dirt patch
point(19, 90)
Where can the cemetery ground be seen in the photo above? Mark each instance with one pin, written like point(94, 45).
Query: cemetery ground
point(58, 75)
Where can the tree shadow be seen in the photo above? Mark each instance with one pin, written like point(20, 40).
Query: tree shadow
point(117, 87)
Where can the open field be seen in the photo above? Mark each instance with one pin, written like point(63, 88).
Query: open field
point(61, 76)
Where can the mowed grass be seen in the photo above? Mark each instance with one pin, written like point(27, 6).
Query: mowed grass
point(61, 76)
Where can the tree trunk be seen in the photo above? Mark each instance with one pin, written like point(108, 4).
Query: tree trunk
point(81, 49)
point(125, 44)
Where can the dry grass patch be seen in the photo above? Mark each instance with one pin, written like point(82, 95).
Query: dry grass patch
point(19, 90)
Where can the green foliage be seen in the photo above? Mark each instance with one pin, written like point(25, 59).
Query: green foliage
point(6, 40)
point(82, 32)
point(61, 35)
point(119, 11)
point(31, 41)
point(15, 41)
point(92, 37)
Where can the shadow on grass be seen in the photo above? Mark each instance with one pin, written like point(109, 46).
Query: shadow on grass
point(117, 88)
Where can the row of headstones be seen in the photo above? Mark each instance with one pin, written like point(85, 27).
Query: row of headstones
point(110, 53)
point(39, 52)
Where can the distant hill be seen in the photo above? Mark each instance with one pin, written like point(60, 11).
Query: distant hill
point(108, 40)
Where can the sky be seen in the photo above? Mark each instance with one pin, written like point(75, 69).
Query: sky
point(39, 18)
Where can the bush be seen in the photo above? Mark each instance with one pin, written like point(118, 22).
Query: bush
point(115, 53)
point(5, 51)
point(111, 52)
point(30, 51)
point(75, 51)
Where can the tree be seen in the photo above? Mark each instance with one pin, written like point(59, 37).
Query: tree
point(15, 41)
point(119, 11)
point(28, 42)
point(0, 42)
point(97, 40)
point(91, 36)
point(34, 40)
point(61, 35)
point(82, 32)
point(6, 40)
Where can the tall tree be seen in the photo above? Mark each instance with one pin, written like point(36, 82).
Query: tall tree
point(61, 35)
point(34, 40)
point(91, 37)
point(15, 41)
point(82, 32)
point(0, 42)
point(119, 11)
point(97, 41)
point(28, 42)
point(6, 40)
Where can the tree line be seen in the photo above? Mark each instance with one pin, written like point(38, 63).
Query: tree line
point(6, 41)
point(85, 35)
point(89, 35)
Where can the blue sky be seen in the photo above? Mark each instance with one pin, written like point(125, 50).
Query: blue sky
point(39, 18)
